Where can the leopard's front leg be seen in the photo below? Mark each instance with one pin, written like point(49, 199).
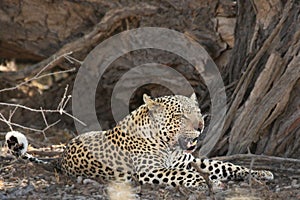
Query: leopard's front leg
point(172, 177)
point(225, 171)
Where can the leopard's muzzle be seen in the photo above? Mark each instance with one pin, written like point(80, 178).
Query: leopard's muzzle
point(188, 144)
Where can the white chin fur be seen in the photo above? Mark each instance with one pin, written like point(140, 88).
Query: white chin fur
point(20, 137)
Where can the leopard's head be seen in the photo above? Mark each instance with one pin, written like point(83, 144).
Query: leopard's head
point(177, 119)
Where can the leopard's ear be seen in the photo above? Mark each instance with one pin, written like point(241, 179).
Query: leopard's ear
point(151, 104)
point(193, 97)
point(147, 99)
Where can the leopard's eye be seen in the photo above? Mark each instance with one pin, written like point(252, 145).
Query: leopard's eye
point(177, 114)
point(184, 116)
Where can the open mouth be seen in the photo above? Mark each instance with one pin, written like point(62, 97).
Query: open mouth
point(188, 144)
point(192, 145)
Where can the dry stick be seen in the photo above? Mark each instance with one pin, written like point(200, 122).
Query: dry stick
point(53, 124)
point(60, 110)
point(47, 66)
point(45, 153)
point(63, 102)
point(265, 158)
point(6, 121)
point(44, 117)
point(45, 120)
point(283, 170)
point(9, 118)
point(11, 114)
point(71, 59)
point(26, 108)
point(250, 172)
point(54, 73)
point(108, 24)
point(206, 178)
point(36, 77)
point(257, 157)
point(37, 110)
point(10, 124)
point(250, 169)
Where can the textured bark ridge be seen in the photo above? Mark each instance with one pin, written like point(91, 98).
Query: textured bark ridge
point(254, 43)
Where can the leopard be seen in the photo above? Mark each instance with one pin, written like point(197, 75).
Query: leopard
point(154, 145)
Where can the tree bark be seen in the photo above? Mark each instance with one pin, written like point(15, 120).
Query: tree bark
point(260, 116)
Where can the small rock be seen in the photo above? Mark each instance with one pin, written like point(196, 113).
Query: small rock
point(288, 187)
point(79, 179)
point(25, 190)
point(193, 197)
point(87, 181)
point(244, 184)
point(231, 182)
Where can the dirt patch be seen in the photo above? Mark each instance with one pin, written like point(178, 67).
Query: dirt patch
point(23, 180)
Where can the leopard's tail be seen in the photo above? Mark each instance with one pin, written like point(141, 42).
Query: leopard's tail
point(17, 144)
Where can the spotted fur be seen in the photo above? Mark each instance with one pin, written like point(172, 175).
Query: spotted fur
point(144, 147)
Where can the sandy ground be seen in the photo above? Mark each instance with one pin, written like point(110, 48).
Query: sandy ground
point(20, 179)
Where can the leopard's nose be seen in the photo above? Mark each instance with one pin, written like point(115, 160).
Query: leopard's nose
point(200, 126)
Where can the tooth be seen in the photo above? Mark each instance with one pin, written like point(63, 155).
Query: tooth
point(188, 144)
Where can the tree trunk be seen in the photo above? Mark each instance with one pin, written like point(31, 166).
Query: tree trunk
point(264, 110)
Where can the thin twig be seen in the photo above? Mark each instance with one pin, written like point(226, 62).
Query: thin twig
point(45, 120)
point(37, 76)
point(71, 59)
point(206, 178)
point(250, 168)
point(55, 73)
point(250, 172)
point(63, 102)
point(60, 105)
point(6, 121)
point(10, 124)
point(78, 120)
point(53, 124)
point(12, 113)
point(44, 117)
point(26, 108)
point(257, 157)
point(60, 110)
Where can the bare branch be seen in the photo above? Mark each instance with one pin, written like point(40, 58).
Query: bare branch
point(37, 76)
point(10, 124)
point(6, 121)
point(12, 113)
point(44, 117)
point(71, 59)
point(63, 102)
point(54, 73)
point(257, 157)
point(60, 110)
point(49, 126)
point(26, 108)
point(78, 120)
